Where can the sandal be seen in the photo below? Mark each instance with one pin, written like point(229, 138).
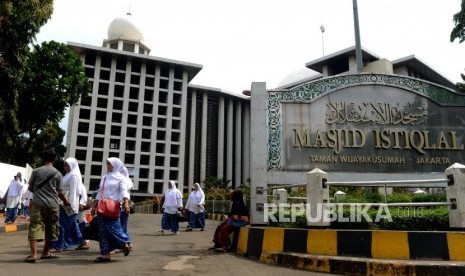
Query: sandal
point(29, 259)
point(126, 250)
point(102, 260)
point(82, 246)
point(51, 256)
point(220, 250)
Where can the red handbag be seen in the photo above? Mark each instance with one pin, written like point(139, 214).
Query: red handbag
point(108, 208)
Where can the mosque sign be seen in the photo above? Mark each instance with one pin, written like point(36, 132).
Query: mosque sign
point(366, 123)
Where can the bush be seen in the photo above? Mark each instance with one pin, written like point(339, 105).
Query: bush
point(429, 198)
point(399, 197)
point(406, 219)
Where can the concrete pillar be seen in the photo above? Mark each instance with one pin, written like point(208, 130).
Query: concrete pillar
point(246, 145)
point(238, 146)
point(229, 143)
point(280, 196)
point(259, 154)
point(203, 142)
point(317, 198)
point(221, 115)
point(193, 114)
point(455, 191)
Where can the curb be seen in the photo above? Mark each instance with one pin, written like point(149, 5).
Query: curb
point(220, 217)
point(14, 228)
point(365, 266)
point(259, 242)
point(24, 226)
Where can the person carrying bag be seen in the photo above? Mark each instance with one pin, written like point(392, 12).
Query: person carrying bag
point(113, 190)
point(107, 207)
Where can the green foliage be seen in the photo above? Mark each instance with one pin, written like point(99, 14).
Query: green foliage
point(356, 191)
point(461, 86)
point(245, 188)
point(458, 32)
point(403, 218)
point(399, 197)
point(216, 188)
point(53, 80)
point(429, 198)
point(20, 21)
point(373, 198)
point(422, 219)
point(37, 85)
point(51, 136)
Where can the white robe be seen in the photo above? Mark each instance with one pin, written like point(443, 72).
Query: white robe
point(196, 201)
point(14, 194)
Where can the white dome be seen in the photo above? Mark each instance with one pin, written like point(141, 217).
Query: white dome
point(123, 28)
point(298, 75)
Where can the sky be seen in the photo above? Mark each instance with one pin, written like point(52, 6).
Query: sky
point(243, 41)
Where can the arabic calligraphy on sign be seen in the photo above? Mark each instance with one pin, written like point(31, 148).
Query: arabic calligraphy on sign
point(375, 113)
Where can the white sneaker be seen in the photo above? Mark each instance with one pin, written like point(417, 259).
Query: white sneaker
point(176, 233)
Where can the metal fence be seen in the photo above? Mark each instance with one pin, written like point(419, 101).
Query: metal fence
point(423, 183)
point(211, 206)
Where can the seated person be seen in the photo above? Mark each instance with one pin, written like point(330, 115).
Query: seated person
point(238, 217)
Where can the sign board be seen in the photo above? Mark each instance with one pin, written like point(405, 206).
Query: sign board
point(369, 125)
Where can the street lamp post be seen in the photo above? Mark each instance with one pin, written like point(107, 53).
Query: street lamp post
point(358, 46)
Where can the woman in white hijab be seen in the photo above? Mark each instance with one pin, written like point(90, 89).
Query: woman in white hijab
point(124, 217)
point(113, 186)
point(69, 234)
point(173, 203)
point(195, 205)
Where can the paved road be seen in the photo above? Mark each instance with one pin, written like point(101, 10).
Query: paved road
point(154, 254)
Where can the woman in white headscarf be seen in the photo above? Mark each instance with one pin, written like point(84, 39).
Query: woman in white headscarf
point(195, 205)
point(69, 233)
point(83, 210)
point(113, 186)
point(124, 217)
point(173, 203)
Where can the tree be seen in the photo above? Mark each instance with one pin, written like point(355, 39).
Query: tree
point(458, 32)
point(216, 188)
point(53, 80)
point(20, 21)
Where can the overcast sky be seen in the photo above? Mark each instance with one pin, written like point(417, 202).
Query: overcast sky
point(242, 41)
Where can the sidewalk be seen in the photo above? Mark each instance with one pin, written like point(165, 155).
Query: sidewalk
point(19, 224)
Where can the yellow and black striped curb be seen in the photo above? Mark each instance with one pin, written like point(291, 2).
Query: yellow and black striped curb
point(364, 266)
point(260, 242)
point(220, 217)
point(13, 227)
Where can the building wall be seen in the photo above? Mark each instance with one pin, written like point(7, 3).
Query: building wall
point(142, 111)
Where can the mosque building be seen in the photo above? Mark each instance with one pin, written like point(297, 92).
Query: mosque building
point(144, 110)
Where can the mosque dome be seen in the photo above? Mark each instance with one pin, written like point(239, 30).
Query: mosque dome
point(123, 28)
point(298, 76)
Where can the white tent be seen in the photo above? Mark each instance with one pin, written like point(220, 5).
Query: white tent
point(7, 173)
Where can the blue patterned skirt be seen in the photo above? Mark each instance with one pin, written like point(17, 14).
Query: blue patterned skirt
point(111, 235)
point(196, 220)
point(69, 232)
point(170, 222)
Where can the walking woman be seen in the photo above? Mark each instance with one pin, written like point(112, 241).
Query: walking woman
point(195, 205)
point(173, 203)
point(113, 186)
point(70, 235)
point(124, 217)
